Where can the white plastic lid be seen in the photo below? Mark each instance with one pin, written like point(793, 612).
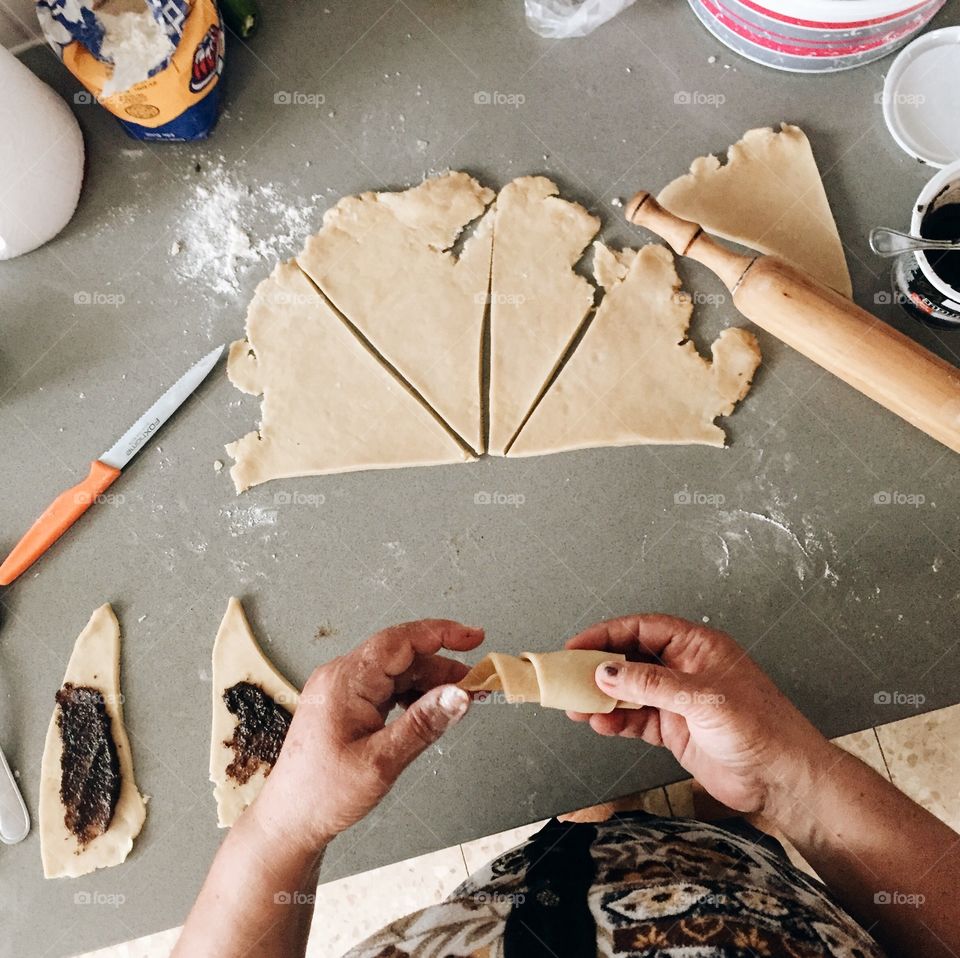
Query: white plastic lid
point(921, 97)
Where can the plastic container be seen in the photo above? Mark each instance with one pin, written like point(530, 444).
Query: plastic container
point(918, 287)
point(921, 97)
point(814, 36)
point(41, 160)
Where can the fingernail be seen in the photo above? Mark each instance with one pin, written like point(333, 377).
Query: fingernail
point(454, 701)
point(609, 671)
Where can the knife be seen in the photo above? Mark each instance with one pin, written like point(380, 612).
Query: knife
point(64, 511)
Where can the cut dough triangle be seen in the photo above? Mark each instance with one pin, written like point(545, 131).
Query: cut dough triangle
point(238, 658)
point(384, 261)
point(768, 196)
point(538, 303)
point(633, 378)
point(95, 663)
point(329, 405)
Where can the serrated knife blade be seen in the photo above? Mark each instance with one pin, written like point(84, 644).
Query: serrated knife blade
point(64, 511)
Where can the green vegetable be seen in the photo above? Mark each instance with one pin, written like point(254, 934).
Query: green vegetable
point(241, 16)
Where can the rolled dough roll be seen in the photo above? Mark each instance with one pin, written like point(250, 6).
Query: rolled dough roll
point(555, 680)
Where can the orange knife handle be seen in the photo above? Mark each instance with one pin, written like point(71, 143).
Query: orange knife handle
point(62, 513)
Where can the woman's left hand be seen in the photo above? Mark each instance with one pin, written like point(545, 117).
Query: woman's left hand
point(340, 757)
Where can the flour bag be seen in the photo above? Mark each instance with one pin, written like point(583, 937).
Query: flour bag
point(154, 64)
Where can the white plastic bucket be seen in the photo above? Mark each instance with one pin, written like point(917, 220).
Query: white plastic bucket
point(814, 36)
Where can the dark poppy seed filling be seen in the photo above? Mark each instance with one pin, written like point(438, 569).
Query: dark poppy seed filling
point(89, 767)
point(261, 728)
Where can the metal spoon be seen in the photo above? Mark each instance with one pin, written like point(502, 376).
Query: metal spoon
point(887, 242)
point(14, 818)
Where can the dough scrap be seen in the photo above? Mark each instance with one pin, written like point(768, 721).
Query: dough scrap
point(768, 196)
point(94, 662)
point(538, 303)
point(329, 405)
point(238, 658)
point(384, 261)
point(634, 377)
point(555, 680)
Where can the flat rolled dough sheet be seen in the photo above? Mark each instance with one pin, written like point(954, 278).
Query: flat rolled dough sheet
point(329, 405)
point(238, 658)
point(385, 262)
point(768, 196)
point(537, 302)
point(555, 680)
point(95, 662)
point(635, 377)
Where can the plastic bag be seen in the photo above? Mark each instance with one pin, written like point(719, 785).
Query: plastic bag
point(560, 19)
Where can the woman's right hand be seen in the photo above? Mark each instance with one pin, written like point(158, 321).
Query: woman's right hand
point(707, 701)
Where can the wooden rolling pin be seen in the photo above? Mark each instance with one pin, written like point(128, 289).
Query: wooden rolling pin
point(828, 328)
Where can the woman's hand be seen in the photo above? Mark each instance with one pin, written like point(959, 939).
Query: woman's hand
point(709, 703)
point(340, 757)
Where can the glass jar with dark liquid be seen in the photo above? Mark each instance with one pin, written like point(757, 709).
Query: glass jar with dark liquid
point(927, 284)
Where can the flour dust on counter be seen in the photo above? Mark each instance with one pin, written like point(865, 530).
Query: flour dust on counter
point(90, 808)
point(768, 196)
point(636, 377)
point(218, 241)
point(252, 708)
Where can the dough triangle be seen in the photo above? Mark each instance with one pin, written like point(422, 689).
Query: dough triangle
point(94, 663)
point(384, 261)
point(768, 196)
point(238, 658)
point(329, 405)
point(634, 378)
point(538, 303)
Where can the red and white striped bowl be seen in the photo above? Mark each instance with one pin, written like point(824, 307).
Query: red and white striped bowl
point(814, 36)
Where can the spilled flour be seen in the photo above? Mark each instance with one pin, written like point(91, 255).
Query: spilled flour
point(810, 553)
point(250, 518)
point(230, 226)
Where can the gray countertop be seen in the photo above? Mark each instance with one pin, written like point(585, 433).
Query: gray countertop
point(840, 598)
